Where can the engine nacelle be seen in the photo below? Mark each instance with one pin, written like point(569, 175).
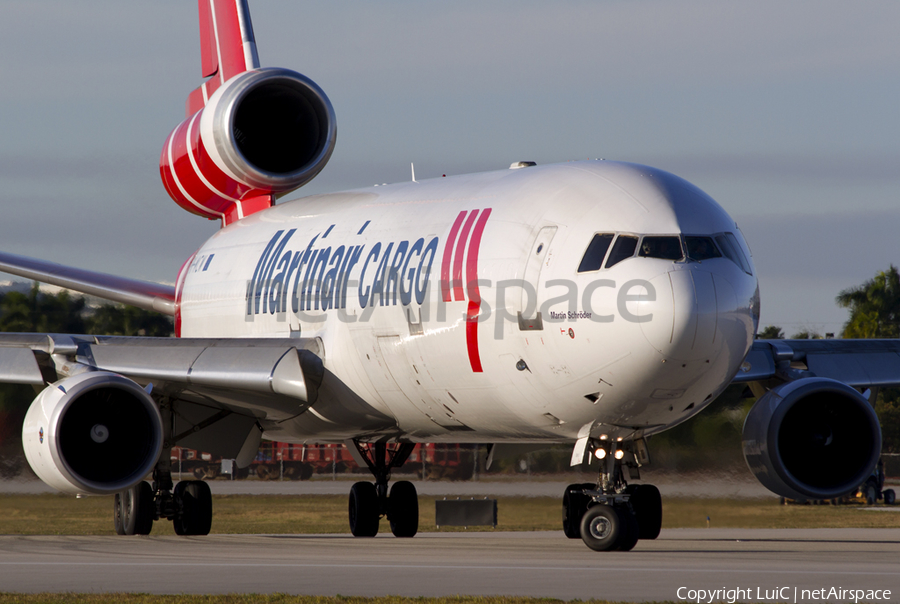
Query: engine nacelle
point(264, 132)
point(96, 432)
point(813, 438)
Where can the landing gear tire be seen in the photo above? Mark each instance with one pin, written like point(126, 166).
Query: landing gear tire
point(403, 509)
point(630, 531)
point(363, 510)
point(601, 528)
point(134, 510)
point(196, 508)
point(889, 496)
point(647, 505)
point(574, 505)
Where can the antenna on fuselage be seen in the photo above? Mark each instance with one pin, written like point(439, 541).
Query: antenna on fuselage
point(412, 167)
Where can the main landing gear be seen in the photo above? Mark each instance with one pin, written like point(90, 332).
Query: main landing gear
point(188, 506)
point(369, 502)
point(612, 515)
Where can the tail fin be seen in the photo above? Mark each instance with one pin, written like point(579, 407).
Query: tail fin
point(227, 46)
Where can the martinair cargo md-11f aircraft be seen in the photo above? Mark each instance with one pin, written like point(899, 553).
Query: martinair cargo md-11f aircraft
point(593, 303)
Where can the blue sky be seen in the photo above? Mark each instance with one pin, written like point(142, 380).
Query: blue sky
point(786, 113)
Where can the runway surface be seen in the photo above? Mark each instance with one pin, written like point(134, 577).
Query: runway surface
point(438, 564)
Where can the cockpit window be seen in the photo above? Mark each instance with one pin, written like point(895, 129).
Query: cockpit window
point(701, 248)
point(596, 252)
point(732, 250)
point(745, 264)
point(666, 248)
point(622, 249)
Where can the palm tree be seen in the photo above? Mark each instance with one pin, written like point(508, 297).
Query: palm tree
point(874, 306)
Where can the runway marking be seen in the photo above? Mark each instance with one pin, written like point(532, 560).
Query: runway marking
point(453, 567)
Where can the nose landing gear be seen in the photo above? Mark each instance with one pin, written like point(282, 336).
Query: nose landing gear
point(370, 502)
point(612, 515)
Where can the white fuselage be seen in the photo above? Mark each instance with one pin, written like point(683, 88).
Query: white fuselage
point(426, 296)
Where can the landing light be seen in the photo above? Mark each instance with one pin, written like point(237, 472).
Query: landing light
point(620, 454)
point(600, 453)
point(603, 437)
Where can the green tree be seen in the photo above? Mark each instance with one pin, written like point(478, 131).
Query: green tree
point(875, 313)
point(711, 440)
point(40, 312)
point(874, 306)
point(120, 320)
point(772, 332)
point(806, 334)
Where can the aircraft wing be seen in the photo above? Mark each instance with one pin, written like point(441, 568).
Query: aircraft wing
point(143, 294)
point(217, 389)
point(858, 363)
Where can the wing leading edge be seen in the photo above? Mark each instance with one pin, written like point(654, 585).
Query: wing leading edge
point(857, 363)
point(142, 294)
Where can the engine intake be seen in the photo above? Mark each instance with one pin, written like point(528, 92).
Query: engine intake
point(814, 438)
point(264, 132)
point(96, 432)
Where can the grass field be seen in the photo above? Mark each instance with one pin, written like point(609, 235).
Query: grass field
point(248, 514)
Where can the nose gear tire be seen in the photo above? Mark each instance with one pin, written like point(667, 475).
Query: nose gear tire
point(601, 528)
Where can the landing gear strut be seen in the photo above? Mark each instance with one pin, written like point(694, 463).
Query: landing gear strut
point(612, 515)
point(369, 502)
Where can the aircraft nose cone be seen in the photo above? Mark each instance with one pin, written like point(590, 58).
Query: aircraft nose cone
point(681, 324)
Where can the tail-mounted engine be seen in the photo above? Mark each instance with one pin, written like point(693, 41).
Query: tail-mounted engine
point(812, 438)
point(264, 133)
point(96, 432)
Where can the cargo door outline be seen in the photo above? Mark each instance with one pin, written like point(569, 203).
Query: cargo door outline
point(528, 314)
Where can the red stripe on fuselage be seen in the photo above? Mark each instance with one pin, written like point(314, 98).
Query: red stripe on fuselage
point(458, 257)
point(474, 308)
point(179, 290)
point(448, 255)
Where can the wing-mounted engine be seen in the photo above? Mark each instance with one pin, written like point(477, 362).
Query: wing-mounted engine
point(96, 432)
point(262, 134)
point(813, 438)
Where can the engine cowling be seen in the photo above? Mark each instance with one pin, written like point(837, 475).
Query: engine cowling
point(265, 132)
point(96, 432)
point(813, 438)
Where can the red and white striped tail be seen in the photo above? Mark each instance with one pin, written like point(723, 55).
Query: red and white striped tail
point(250, 134)
point(227, 47)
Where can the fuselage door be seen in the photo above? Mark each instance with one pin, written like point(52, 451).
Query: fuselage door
point(529, 306)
